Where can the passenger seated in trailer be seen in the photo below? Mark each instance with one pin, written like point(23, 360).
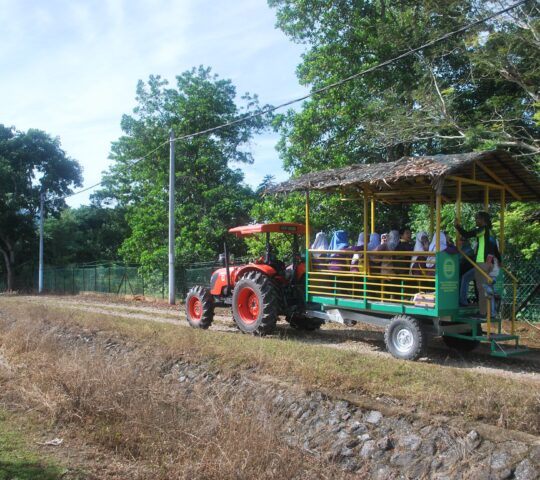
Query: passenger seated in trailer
point(384, 262)
point(320, 243)
point(485, 248)
point(357, 259)
point(404, 245)
point(340, 241)
point(445, 245)
point(418, 262)
point(393, 239)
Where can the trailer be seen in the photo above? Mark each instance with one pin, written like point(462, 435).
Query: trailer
point(413, 304)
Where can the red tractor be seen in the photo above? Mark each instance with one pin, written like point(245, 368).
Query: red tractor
point(258, 292)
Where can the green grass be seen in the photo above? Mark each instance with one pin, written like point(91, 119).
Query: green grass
point(18, 461)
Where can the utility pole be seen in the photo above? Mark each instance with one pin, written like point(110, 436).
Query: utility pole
point(172, 178)
point(40, 274)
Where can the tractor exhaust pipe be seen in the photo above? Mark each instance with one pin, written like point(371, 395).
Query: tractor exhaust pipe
point(227, 270)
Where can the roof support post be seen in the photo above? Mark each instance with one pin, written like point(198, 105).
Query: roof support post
point(308, 243)
point(366, 233)
point(503, 211)
point(458, 211)
point(486, 198)
point(372, 214)
point(431, 214)
point(438, 223)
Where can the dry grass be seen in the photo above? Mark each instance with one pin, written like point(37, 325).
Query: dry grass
point(433, 389)
point(124, 401)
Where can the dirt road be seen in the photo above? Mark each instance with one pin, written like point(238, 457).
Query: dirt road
point(361, 339)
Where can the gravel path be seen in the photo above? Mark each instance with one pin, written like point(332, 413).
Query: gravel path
point(362, 339)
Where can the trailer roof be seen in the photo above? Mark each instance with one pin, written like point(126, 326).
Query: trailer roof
point(290, 228)
point(414, 179)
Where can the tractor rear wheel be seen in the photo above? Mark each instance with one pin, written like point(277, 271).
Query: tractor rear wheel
point(199, 307)
point(255, 304)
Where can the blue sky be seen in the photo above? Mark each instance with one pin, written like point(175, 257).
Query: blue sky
point(71, 67)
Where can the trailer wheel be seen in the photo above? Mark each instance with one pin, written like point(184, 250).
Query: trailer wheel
point(199, 307)
point(460, 344)
point(404, 338)
point(255, 304)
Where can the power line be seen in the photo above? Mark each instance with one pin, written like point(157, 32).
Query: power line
point(327, 87)
point(135, 162)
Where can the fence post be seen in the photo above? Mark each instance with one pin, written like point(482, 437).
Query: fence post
point(125, 280)
point(55, 280)
point(95, 279)
point(73, 280)
point(109, 279)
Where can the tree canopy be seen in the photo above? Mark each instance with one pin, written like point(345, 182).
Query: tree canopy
point(30, 163)
point(477, 90)
point(86, 234)
point(210, 193)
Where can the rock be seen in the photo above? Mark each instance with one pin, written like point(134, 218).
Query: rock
point(364, 437)
point(500, 461)
point(357, 428)
point(385, 444)
point(374, 417)
point(472, 440)
point(354, 442)
point(526, 471)
point(420, 469)
point(383, 473)
point(535, 455)
point(347, 452)
point(428, 447)
point(402, 459)
point(367, 449)
point(410, 442)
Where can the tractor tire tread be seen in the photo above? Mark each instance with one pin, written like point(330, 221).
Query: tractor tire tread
point(207, 305)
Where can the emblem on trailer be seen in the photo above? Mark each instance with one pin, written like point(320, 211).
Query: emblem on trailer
point(449, 268)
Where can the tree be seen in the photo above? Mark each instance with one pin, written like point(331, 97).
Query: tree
point(85, 234)
point(30, 163)
point(474, 91)
point(210, 195)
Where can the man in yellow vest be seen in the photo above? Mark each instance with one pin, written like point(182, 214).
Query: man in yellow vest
point(486, 251)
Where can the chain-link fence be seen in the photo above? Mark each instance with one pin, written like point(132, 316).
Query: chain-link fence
point(528, 289)
point(118, 279)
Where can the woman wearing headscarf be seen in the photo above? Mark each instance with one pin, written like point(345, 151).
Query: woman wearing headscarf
point(418, 262)
point(340, 242)
point(393, 239)
point(385, 260)
point(320, 243)
point(357, 256)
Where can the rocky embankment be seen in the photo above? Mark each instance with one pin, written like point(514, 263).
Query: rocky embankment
point(367, 441)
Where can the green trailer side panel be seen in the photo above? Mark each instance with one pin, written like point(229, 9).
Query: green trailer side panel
point(447, 282)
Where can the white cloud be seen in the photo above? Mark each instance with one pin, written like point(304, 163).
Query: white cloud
point(70, 67)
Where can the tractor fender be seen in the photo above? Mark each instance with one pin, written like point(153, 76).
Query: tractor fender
point(264, 269)
point(219, 280)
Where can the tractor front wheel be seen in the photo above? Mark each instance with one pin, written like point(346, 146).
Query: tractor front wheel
point(199, 307)
point(255, 304)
